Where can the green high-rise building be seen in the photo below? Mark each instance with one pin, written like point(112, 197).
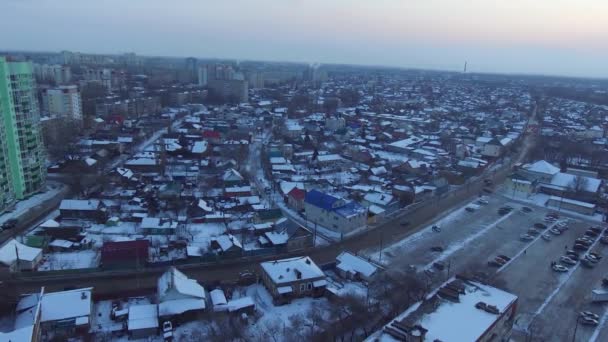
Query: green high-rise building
point(22, 169)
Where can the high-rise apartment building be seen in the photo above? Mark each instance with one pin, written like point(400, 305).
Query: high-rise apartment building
point(63, 102)
point(22, 170)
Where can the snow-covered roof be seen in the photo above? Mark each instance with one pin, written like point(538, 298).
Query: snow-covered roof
point(143, 316)
point(158, 223)
point(82, 205)
point(218, 299)
point(8, 254)
point(200, 146)
point(329, 157)
point(227, 241)
point(406, 142)
point(175, 280)
point(203, 205)
point(573, 202)
point(240, 303)
point(50, 224)
point(542, 166)
point(277, 238)
point(352, 263)
point(378, 198)
point(287, 270)
point(23, 334)
point(566, 180)
point(62, 305)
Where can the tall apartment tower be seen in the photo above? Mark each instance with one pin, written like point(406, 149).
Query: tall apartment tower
point(64, 102)
point(22, 170)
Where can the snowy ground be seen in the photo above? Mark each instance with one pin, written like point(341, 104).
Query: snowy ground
point(69, 260)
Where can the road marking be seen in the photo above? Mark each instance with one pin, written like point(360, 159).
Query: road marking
point(562, 282)
point(461, 244)
point(502, 268)
point(599, 327)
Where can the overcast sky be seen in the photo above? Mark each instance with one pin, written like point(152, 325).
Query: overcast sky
point(558, 37)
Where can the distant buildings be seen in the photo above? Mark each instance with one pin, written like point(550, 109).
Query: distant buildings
point(58, 74)
point(63, 102)
point(231, 90)
point(22, 170)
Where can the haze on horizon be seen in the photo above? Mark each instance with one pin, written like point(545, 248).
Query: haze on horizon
point(551, 37)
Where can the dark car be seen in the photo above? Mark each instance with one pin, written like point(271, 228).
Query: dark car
point(580, 247)
point(540, 225)
point(10, 224)
point(404, 223)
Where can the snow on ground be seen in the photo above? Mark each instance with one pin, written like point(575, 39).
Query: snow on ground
point(540, 200)
point(415, 238)
point(271, 314)
point(21, 207)
point(122, 228)
point(69, 260)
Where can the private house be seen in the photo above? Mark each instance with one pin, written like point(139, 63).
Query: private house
point(386, 202)
point(158, 226)
point(287, 279)
point(124, 254)
point(83, 209)
point(350, 266)
point(18, 257)
point(334, 213)
point(62, 314)
point(232, 177)
point(540, 170)
point(179, 296)
point(226, 244)
point(295, 198)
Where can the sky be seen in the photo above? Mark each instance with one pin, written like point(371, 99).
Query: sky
point(550, 37)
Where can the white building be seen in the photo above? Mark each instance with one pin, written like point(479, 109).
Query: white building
point(178, 294)
point(64, 102)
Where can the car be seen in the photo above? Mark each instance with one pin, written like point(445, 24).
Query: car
point(526, 209)
point(500, 261)
point(572, 253)
point(596, 229)
point(589, 321)
point(436, 228)
point(546, 237)
point(167, 331)
point(504, 257)
point(10, 224)
point(482, 202)
point(533, 232)
point(488, 181)
point(559, 268)
point(583, 242)
point(470, 209)
point(595, 255)
point(561, 224)
point(553, 214)
point(589, 314)
point(567, 261)
point(437, 249)
point(526, 237)
point(404, 223)
point(555, 231)
point(592, 258)
point(549, 219)
point(439, 265)
point(591, 233)
point(580, 247)
point(540, 226)
point(494, 263)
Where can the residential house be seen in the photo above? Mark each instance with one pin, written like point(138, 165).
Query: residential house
point(86, 209)
point(179, 296)
point(350, 266)
point(292, 278)
point(158, 226)
point(333, 213)
point(295, 198)
point(124, 254)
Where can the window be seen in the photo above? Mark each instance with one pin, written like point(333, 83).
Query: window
point(309, 286)
point(302, 287)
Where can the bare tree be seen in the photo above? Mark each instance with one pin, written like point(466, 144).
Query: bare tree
point(578, 184)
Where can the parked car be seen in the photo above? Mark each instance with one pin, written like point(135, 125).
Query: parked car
point(555, 231)
point(504, 257)
point(10, 224)
point(437, 249)
point(546, 237)
point(580, 247)
point(540, 226)
point(533, 232)
point(589, 314)
point(587, 263)
point(586, 320)
point(526, 237)
point(526, 209)
point(590, 232)
point(567, 261)
point(439, 265)
point(559, 268)
point(404, 223)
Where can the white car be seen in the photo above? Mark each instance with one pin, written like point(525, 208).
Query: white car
point(555, 231)
point(567, 260)
point(546, 237)
point(167, 331)
point(559, 268)
point(526, 237)
point(589, 314)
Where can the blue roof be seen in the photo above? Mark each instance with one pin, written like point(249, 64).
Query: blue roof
point(320, 199)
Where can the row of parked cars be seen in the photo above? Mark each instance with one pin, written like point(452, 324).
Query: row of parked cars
point(581, 245)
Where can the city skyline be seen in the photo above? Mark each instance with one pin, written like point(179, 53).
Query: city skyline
point(547, 37)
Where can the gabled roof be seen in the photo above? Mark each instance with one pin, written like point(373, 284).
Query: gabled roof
point(542, 166)
point(297, 194)
point(174, 279)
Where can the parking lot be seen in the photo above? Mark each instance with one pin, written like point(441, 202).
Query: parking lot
point(466, 241)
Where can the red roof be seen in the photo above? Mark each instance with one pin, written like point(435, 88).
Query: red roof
point(125, 250)
point(297, 194)
point(211, 134)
